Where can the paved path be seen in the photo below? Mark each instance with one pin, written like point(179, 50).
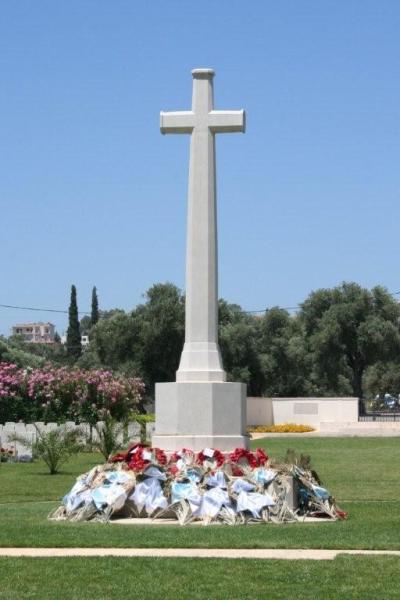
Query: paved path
point(282, 554)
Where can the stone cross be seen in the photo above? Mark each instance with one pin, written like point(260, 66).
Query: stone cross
point(201, 358)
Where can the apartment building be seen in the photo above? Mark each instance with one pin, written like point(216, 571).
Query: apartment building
point(38, 333)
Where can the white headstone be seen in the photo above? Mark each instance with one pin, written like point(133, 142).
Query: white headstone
point(201, 409)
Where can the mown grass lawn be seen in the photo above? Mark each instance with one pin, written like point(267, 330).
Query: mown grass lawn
point(363, 473)
point(349, 578)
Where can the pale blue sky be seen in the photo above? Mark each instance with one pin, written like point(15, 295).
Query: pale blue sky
point(92, 194)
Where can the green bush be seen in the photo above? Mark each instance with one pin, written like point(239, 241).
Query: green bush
point(108, 434)
point(53, 447)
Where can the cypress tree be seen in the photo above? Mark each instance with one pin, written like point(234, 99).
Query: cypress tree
point(95, 308)
point(74, 346)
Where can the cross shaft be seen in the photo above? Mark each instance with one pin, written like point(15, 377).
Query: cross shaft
point(201, 359)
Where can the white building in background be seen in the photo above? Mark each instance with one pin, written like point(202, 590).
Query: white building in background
point(84, 340)
point(36, 333)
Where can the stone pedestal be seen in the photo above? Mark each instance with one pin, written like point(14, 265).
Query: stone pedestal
point(199, 415)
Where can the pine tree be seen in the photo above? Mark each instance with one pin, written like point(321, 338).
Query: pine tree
point(74, 346)
point(95, 308)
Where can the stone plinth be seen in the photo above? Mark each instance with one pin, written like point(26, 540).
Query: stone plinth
point(199, 415)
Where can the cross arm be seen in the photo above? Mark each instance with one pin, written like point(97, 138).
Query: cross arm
point(227, 121)
point(177, 122)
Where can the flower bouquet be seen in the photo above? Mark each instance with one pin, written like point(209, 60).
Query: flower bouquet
point(237, 488)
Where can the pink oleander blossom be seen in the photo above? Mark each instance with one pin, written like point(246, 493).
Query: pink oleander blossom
point(62, 392)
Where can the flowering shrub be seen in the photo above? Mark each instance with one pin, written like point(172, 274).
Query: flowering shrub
point(59, 393)
point(283, 428)
point(12, 392)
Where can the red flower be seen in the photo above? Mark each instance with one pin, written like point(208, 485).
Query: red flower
point(241, 455)
point(127, 456)
point(173, 469)
point(138, 462)
point(261, 457)
point(161, 457)
point(179, 454)
point(341, 513)
point(119, 457)
point(217, 457)
point(236, 471)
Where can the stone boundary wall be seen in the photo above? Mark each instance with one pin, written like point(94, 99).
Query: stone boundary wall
point(320, 413)
point(28, 430)
point(302, 411)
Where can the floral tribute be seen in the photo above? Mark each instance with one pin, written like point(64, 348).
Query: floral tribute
point(7, 454)
point(242, 459)
point(236, 488)
point(144, 457)
point(210, 458)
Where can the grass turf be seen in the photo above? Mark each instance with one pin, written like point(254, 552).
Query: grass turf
point(352, 578)
point(361, 471)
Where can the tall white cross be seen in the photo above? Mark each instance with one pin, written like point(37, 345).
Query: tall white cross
point(201, 358)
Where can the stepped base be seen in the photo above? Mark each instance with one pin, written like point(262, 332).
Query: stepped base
point(198, 415)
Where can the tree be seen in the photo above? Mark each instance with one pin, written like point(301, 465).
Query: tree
point(115, 340)
point(85, 325)
point(108, 438)
point(94, 317)
point(146, 342)
point(74, 346)
point(160, 323)
point(382, 378)
point(238, 335)
point(16, 352)
point(350, 328)
point(283, 354)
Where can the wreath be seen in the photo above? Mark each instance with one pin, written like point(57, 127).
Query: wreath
point(127, 455)
point(215, 458)
point(241, 456)
point(142, 457)
point(261, 457)
point(185, 454)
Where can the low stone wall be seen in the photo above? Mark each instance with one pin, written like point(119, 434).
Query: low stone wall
point(259, 411)
point(321, 413)
point(302, 411)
